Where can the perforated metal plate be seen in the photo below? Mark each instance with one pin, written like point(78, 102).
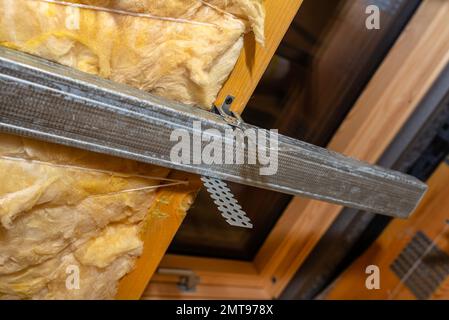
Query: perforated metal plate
point(50, 102)
point(226, 203)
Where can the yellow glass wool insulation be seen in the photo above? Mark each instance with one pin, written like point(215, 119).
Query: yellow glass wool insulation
point(66, 212)
point(62, 207)
point(184, 51)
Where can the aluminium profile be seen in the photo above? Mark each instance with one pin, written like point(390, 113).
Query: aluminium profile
point(47, 101)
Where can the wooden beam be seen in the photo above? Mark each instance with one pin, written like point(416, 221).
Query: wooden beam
point(255, 58)
point(395, 91)
point(164, 218)
point(243, 80)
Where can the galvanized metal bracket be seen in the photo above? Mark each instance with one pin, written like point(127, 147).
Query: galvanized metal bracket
point(218, 190)
point(232, 118)
point(188, 280)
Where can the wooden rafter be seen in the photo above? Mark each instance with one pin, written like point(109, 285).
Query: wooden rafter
point(243, 80)
point(158, 233)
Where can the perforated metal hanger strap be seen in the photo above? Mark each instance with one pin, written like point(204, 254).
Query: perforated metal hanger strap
point(50, 102)
point(226, 203)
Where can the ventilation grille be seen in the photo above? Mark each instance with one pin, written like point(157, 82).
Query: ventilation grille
point(431, 266)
